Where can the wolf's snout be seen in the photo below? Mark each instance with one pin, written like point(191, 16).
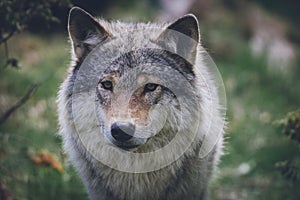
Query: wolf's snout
point(122, 131)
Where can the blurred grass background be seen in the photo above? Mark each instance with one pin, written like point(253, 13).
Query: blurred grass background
point(260, 90)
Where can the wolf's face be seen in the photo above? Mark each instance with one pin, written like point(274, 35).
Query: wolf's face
point(139, 81)
point(128, 113)
point(134, 101)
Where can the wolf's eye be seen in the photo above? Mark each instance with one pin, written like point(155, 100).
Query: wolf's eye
point(107, 85)
point(150, 87)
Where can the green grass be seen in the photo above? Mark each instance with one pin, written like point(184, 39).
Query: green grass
point(33, 127)
point(256, 97)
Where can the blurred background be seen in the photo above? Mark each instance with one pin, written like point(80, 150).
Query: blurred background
point(255, 45)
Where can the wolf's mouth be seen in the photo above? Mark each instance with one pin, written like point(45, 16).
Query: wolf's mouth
point(125, 146)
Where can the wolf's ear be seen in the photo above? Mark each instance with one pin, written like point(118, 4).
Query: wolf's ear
point(85, 32)
point(182, 37)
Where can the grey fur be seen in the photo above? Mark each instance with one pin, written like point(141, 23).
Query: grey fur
point(188, 106)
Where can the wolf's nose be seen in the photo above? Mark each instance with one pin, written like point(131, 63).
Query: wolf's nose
point(122, 131)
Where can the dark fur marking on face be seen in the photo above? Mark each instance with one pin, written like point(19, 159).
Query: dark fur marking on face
point(154, 56)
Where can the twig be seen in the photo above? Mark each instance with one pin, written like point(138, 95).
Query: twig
point(19, 103)
point(6, 54)
point(6, 50)
point(9, 61)
point(4, 39)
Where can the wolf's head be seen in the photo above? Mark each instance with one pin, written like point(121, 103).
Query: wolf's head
point(141, 77)
point(139, 95)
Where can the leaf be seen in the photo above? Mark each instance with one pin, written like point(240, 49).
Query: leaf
point(290, 125)
point(45, 158)
point(13, 62)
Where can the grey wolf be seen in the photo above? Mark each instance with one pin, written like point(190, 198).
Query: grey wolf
point(139, 112)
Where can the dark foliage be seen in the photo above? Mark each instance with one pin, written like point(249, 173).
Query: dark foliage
point(290, 126)
point(17, 15)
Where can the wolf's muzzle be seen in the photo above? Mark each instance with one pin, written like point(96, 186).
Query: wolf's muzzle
point(122, 131)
